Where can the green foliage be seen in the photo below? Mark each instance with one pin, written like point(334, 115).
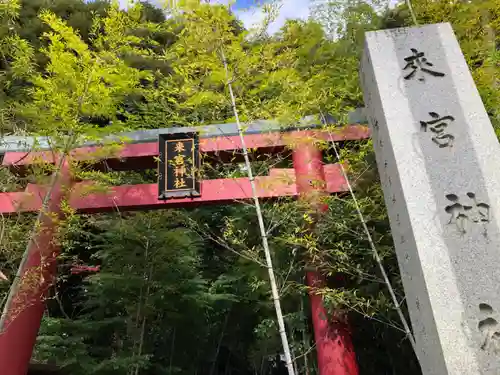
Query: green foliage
point(153, 299)
point(187, 292)
point(80, 82)
point(283, 78)
point(15, 59)
point(77, 14)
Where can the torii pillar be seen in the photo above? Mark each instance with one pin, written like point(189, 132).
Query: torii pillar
point(334, 347)
point(24, 310)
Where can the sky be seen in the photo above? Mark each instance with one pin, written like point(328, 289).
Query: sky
point(251, 14)
point(290, 9)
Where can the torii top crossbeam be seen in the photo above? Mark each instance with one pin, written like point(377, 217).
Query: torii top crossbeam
point(142, 149)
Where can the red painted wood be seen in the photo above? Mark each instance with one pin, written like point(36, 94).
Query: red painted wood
point(336, 354)
point(333, 341)
point(9, 202)
point(28, 304)
point(141, 155)
point(145, 197)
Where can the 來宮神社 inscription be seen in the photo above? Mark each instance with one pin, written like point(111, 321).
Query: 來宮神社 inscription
point(179, 165)
point(437, 157)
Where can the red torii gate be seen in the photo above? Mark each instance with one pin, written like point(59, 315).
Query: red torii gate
point(22, 320)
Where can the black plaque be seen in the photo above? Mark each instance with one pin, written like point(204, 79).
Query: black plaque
point(179, 166)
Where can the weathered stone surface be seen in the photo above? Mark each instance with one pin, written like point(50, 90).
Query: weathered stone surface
point(439, 162)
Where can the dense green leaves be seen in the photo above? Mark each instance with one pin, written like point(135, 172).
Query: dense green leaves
point(186, 292)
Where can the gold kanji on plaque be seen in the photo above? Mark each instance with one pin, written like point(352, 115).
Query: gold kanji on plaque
point(179, 147)
point(180, 171)
point(179, 160)
point(179, 183)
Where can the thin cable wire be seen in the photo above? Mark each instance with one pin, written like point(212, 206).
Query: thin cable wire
point(373, 248)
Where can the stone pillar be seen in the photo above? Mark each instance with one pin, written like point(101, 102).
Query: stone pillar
point(25, 309)
point(439, 163)
point(332, 335)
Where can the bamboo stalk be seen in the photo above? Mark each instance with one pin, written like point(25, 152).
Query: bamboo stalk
point(263, 233)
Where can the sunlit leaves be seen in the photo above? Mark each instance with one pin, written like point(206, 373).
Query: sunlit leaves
point(80, 81)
